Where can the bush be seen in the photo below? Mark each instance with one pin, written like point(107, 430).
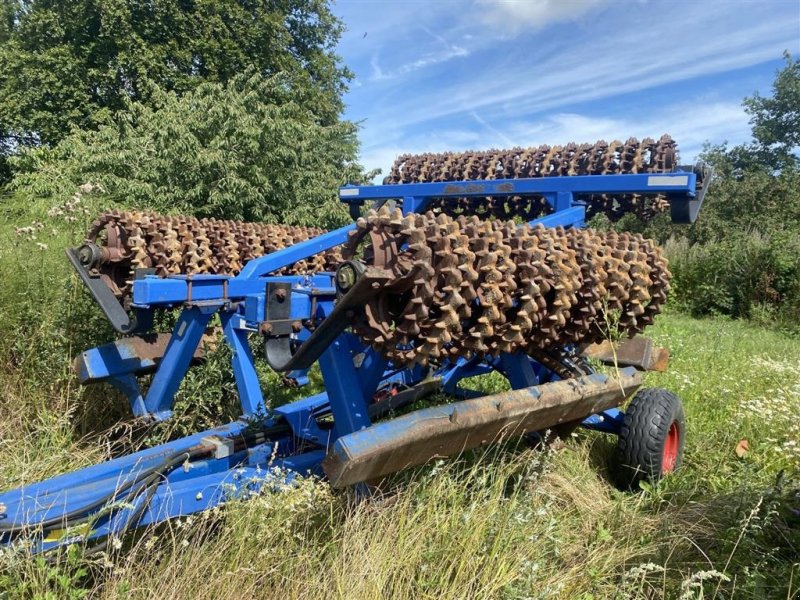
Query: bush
point(246, 150)
point(744, 275)
point(756, 200)
point(67, 64)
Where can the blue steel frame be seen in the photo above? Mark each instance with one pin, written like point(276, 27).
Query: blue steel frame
point(352, 373)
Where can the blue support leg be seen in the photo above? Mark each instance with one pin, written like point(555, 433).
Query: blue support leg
point(518, 370)
point(413, 204)
point(186, 336)
point(370, 366)
point(608, 421)
point(563, 201)
point(250, 396)
point(463, 369)
point(128, 385)
point(344, 387)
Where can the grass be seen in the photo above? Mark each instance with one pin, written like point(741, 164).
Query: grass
point(510, 523)
point(507, 522)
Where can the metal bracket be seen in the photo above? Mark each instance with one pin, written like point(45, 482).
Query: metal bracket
point(116, 314)
point(278, 348)
point(636, 352)
point(277, 317)
point(684, 210)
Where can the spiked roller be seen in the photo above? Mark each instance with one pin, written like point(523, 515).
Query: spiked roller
point(462, 264)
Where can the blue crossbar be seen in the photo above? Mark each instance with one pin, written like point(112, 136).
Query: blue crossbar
point(679, 183)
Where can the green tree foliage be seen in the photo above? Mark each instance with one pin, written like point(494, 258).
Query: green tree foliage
point(68, 64)
point(756, 200)
point(742, 274)
point(253, 149)
point(776, 119)
point(5, 168)
point(6, 146)
point(775, 122)
point(742, 256)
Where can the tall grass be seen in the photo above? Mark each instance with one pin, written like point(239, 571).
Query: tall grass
point(745, 275)
point(509, 522)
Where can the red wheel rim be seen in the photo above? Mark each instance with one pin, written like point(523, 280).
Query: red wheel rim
point(671, 444)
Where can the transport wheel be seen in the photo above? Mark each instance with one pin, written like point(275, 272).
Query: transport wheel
point(651, 438)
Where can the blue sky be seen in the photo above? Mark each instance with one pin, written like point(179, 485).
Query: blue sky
point(441, 75)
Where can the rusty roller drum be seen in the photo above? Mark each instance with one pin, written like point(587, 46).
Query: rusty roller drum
point(126, 241)
point(465, 287)
point(600, 158)
point(462, 286)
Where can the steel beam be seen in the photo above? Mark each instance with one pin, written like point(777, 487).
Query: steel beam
point(439, 431)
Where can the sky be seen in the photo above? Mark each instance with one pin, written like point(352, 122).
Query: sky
point(452, 75)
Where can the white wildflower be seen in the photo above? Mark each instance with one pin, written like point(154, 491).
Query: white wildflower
point(693, 584)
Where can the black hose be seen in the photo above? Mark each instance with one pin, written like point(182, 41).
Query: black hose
point(152, 482)
point(145, 482)
point(151, 487)
point(79, 515)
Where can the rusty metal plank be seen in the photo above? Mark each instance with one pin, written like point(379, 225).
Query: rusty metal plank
point(426, 434)
point(137, 355)
point(636, 352)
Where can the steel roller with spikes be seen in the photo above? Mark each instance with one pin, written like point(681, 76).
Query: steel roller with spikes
point(535, 288)
point(126, 241)
point(600, 158)
point(466, 287)
point(463, 264)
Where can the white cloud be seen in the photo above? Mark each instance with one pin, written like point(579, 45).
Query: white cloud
point(637, 65)
point(690, 125)
point(507, 141)
point(514, 14)
point(433, 59)
point(377, 71)
point(445, 52)
point(528, 81)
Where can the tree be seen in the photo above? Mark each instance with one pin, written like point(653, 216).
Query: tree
point(775, 122)
point(756, 187)
point(742, 256)
point(6, 26)
point(5, 168)
point(776, 119)
point(69, 64)
point(252, 149)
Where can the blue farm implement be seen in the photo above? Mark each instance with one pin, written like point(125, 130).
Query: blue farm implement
point(425, 290)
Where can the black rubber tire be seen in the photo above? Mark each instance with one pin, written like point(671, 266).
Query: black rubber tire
point(640, 452)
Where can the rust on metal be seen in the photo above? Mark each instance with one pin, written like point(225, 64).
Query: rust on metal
point(469, 287)
point(464, 188)
point(423, 435)
point(636, 352)
point(600, 158)
point(461, 285)
point(131, 240)
point(139, 353)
